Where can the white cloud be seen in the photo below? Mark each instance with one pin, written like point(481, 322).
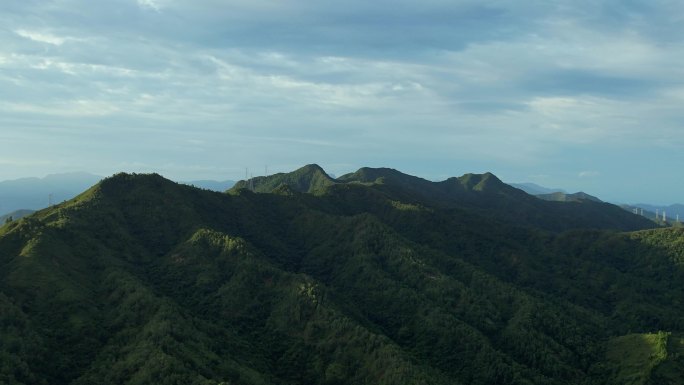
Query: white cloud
point(71, 68)
point(154, 5)
point(74, 108)
point(42, 37)
point(362, 94)
point(589, 174)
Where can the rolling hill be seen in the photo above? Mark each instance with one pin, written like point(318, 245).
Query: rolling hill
point(375, 277)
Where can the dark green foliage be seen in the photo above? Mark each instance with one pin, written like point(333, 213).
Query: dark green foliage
point(376, 278)
point(22, 348)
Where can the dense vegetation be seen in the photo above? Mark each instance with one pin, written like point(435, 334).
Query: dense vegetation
point(373, 278)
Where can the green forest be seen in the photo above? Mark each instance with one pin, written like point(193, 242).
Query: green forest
point(375, 277)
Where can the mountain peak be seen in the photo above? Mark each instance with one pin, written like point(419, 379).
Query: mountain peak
point(371, 175)
point(124, 184)
point(308, 179)
point(481, 182)
point(313, 167)
point(123, 179)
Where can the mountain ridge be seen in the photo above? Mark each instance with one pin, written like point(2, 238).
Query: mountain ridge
point(485, 193)
point(143, 279)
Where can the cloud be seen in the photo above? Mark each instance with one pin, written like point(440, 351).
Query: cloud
point(74, 108)
point(41, 37)
point(589, 174)
point(150, 4)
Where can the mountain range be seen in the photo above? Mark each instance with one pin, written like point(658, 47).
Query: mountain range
point(535, 189)
point(671, 211)
point(38, 193)
point(653, 212)
point(375, 277)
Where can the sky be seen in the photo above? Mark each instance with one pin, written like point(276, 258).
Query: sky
point(580, 95)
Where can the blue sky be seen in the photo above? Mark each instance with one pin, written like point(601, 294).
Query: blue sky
point(582, 95)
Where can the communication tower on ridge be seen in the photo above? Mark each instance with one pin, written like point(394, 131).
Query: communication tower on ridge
point(248, 180)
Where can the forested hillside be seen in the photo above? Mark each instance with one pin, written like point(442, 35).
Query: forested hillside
point(376, 277)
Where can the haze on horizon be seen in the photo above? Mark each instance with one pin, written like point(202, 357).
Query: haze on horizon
point(573, 94)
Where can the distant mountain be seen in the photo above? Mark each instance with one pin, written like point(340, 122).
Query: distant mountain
point(213, 185)
point(655, 213)
point(559, 195)
point(671, 211)
point(563, 197)
point(535, 189)
point(15, 215)
point(34, 193)
point(376, 277)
